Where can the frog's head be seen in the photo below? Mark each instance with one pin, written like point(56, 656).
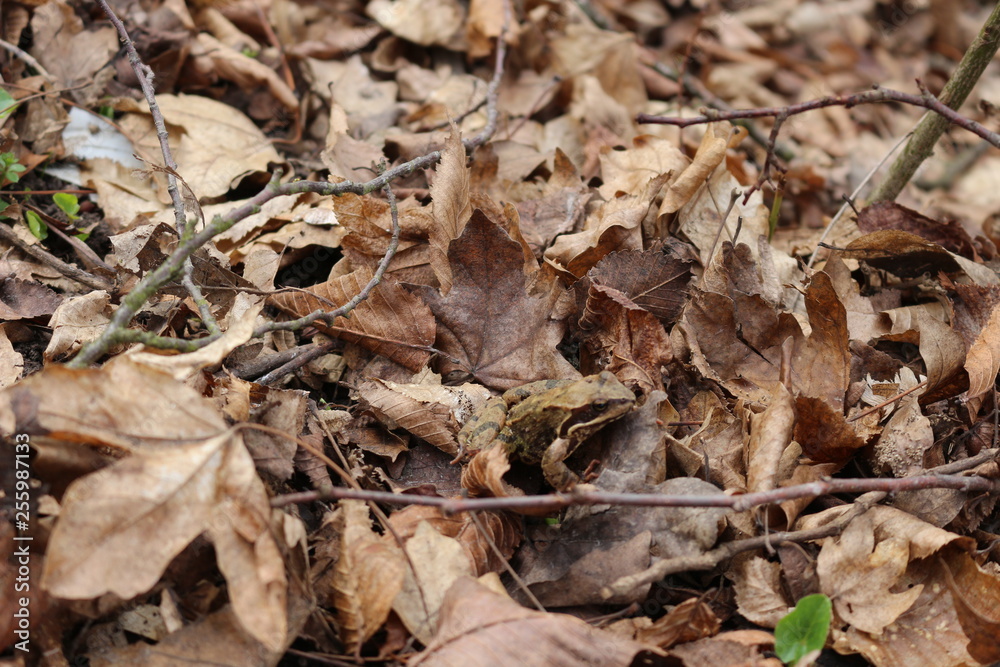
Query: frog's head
point(607, 399)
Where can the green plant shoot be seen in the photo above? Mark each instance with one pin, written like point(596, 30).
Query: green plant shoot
point(10, 168)
point(36, 225)
point(68, 203)
point(7, 105)
point(804, 630)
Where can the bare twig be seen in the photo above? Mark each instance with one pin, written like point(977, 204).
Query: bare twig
point(979, 54)
point(330, 316)
point(173, 266)
point(27, 58)
point(890, 401)
point(68, 270)
point(694, 88)
point(737, 503)
point(296, 361)
point(874, 96)
point(145, 76)
point(710, 559)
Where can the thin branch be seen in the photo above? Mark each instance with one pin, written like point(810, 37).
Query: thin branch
point(874, 96)
point(172, 267)
point(296, 361)
point(979, 54)
point(145, 76)
point(27, 58)
point(738, 503)
point(710, 559)
point(694, 88)
point(890, 401)
point(68, 270)
point(342, 311)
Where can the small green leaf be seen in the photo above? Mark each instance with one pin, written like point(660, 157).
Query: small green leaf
point(107, 112)
point(36, 225)
point(10, 168)
point(804, 630)
point(3, 207)
point(7, 105)
point(83, 236)
point(69, 204)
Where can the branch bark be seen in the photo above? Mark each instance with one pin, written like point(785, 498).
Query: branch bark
point(930, 129)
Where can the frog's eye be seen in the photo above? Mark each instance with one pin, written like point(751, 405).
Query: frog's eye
point(599, 406)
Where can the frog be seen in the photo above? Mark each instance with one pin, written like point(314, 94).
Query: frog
point(543, 423)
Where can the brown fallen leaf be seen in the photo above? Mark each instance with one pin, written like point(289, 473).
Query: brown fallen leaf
point(368, 575)
point(477, 625)
point(433, 413)
point(860, 574)
point(391, 321)
point(502, 529)
point(501, 334)
point(121, 526)
point(689, 621)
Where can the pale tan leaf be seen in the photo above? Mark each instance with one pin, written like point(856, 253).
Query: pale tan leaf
point(770, 434)
point(438, 561)
point(859, 573)
point(368, 575)
point(983, 359)
point(450, 194)
point(759, 595)
point(503, 529)
point(710, 154)
point(121, 526)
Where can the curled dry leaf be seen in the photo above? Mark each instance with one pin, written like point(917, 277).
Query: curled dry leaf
point(770, 434)
point(625, 339)
point(433, 413)
point(616, 225)
point(249, 74)
point(450, 194)
point(949, 234)
point(367, 577)
point(501, 529)
point(689, 621)
point(711, 152)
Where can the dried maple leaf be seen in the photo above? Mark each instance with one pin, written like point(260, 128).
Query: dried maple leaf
point(498, 332)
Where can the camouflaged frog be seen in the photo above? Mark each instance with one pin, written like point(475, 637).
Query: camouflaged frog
point(544, 422)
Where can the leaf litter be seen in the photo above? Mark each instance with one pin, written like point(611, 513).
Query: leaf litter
point(196, 486)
